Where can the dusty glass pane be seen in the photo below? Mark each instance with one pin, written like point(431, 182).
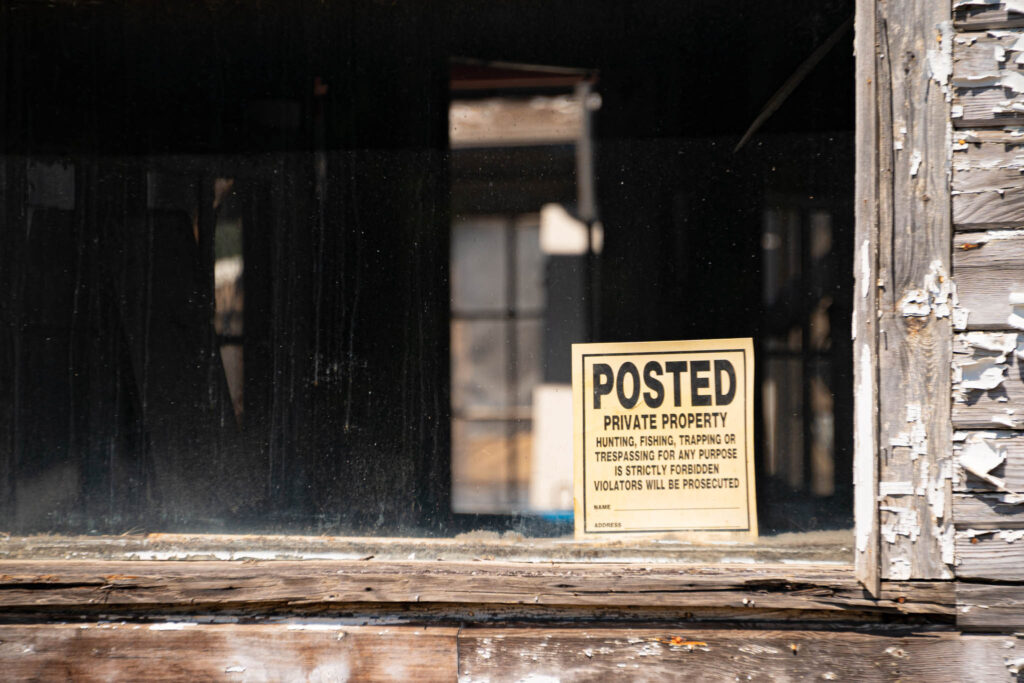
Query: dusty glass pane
point(480, 376)
point(479, 282)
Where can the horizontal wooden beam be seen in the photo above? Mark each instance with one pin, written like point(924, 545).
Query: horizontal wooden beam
point(981, 17)
point(986, 511)
point(733, 654)
point(187, 651)
point(993, 555)
point(991, 607)
point(71, 587)
point(327, 650)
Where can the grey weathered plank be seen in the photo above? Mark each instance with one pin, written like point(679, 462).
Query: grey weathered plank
point(1010, 472)
point(914, 248)
point(998, 408)
point(983, 209)
point(990, 607)
point(985, 16)
point(865, 305)
point(137, 587)
point(980, 62)
point(987, 270)
point(987, 179)
point(713, 654)
point(188, 651)
point(989, 556)
point(981, 511)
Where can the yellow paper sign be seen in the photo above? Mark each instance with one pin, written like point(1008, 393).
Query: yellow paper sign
point(664, 437)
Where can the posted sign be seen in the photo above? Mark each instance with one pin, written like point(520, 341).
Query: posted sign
point(664, 437)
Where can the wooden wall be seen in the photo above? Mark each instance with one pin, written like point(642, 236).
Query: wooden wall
point(987, 183)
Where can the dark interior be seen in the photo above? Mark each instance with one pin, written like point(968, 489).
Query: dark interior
point(131, 130)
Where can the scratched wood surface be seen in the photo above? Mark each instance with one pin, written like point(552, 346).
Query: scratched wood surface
point(72, 586)
point(865, 303)
point(914, 240)
point(570, 654)
point(988, 270)
point(996, 607)
point(234, 652)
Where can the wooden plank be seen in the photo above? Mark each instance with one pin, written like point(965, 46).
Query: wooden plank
point(713, 654)
point(988, 511)
point(999, 408)
point(914, 265)
point(1010, 472)
point(987, 270)
point(987, 89)
point(998, 607)
point(991, 556)
point(83, 586)
point(189, 651)
point(987, 178)
point(984, 16)
point(865, 304)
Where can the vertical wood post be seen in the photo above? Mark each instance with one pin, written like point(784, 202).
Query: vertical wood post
point(904, 297)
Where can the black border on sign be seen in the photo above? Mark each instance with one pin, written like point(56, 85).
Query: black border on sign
point(583, 435)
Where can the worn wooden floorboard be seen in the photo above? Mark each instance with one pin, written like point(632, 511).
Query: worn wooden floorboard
point(234, 652)
point(992, 607)
point(90, 585)
point(572, 654)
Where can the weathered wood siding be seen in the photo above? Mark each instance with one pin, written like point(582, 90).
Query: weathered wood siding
point(987, 188)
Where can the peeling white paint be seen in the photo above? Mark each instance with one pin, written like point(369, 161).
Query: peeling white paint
point(1016, 317)
point(915, 163)
point(172, 626)
point(864, 456)
point(865, 268)
point(938, 295)
point(983, 366)
point(895, 488)
point(980, 455)
point(984, 373)
point(905, 523)
point(940, 61)
point(1011, 536)
point(899, 569)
